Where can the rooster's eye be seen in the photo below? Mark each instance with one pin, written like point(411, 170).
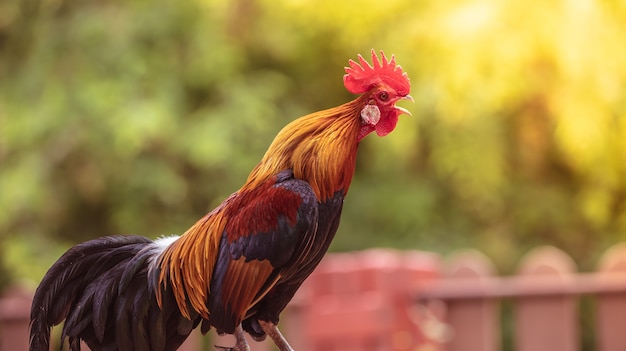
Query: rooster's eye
point(383, 96)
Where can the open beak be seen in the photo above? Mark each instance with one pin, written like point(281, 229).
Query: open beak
point(402, 109)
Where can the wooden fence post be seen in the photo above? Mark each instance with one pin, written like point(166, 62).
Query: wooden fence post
point(423, 324)
point(473, 322)
point(546, 323)
point(611, 308)
point(342, 312)
point(14, 319)
point(361, 302)
point(292, 319)
point(396, 275)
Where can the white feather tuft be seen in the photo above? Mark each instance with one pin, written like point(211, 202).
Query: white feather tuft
point(165, 241)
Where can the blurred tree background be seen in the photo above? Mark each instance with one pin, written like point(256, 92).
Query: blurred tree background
point(140, 116)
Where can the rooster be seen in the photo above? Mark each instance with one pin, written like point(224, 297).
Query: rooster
point(236, 268)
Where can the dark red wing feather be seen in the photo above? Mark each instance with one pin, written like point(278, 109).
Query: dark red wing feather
point(261, 210)
point(259, 242)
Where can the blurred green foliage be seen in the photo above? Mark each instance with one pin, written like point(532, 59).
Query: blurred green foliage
point(140, 116)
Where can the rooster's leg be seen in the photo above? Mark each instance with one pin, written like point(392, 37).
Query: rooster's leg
point(272, 330)
point(240, 344)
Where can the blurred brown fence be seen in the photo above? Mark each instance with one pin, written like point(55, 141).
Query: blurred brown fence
point(407, 300)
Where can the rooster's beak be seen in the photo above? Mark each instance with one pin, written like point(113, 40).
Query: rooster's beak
point(402, 109)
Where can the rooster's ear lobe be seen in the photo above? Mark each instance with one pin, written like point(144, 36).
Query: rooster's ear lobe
point(361, 76)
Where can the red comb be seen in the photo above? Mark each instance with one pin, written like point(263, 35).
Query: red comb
point(360, 78)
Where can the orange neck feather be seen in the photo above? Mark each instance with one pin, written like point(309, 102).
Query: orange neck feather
point(320, 148)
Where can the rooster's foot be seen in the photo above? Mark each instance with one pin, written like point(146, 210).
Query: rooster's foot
point(240, 345)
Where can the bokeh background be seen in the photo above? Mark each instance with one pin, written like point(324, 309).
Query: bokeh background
point(140, 116)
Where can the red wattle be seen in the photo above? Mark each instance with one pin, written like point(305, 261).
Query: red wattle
point(387, 124)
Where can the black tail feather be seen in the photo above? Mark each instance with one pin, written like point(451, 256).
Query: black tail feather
point(100, 288)
point(61, 285)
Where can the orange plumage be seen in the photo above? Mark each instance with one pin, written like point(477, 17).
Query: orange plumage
point(237, 267)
